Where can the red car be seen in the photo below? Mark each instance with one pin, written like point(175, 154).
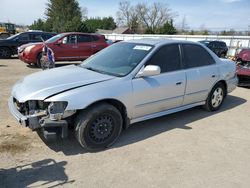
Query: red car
point(66, 47)
point(243, 67)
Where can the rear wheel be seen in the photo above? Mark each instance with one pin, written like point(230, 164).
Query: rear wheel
point(216, 97)
point(5, 53)
point(98, 127)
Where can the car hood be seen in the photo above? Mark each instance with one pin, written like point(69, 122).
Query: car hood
point(30, 44)
point(43, 84)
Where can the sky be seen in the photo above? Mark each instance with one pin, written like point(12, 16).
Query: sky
point(208, 14)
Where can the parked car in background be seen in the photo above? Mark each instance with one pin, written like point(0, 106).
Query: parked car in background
point(218, 47)
point(9, 46)
point(127, 82)
point(66, 47)
point(243, 67)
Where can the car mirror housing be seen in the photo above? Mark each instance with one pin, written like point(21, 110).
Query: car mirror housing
point(59, 42)
point(149, 70)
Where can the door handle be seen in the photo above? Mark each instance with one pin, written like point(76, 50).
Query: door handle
point(178, 83)
point(74, 46)
point(93, 46)
point(213, 76)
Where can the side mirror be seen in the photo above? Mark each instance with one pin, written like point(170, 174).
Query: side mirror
point(59, 42)
point(149, 70)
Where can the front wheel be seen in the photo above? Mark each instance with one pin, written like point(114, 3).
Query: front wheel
point(216, 97)
point(98, 127)
point(39, 60)
point(5, 53)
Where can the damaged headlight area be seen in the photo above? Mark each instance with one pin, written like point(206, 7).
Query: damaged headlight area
point(31, 108)
point(57, 111)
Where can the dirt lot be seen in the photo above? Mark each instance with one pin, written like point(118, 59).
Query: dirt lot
point(193, 148)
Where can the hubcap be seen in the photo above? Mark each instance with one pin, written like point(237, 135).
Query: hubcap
point(102, 128)
point(217, 97)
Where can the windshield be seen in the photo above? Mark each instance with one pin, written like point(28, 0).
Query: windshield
point(14, 36)
point(55, 38)
point(119, 59)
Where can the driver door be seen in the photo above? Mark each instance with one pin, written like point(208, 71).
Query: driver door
point(68, 50)
point(164, 91)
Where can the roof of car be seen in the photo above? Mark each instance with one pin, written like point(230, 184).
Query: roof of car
point(155, 42)
point(34, 31)
point(75, 33)
point(211, 41)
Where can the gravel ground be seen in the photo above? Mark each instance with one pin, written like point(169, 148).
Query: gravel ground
point(193, 148)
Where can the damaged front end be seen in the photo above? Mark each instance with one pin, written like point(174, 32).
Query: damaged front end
point(50, 117)
point(243, 73)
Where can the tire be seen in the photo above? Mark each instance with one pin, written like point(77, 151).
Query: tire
point(5, 53)
point(215, 97)
point(98, 127)
point(39, 60)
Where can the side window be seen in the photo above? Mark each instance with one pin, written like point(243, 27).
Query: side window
point(167, 58)
point(23, 37)
point(35, 37)
point(84, 38)
point(70, 39)
point(47, 36)
point(95, 38)
point(196, 56)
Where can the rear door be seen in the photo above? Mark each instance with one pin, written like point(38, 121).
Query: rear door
point(161, 92)
point(85, 46)
point(202, 73)
point(99, 43)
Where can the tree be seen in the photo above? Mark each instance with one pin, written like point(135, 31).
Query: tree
point(168, 28)
point(154, 16)
point(63, 13)
point(108, 23)
point(184, 25)
point(128, 16)
point(93, 24)
point(38, 25)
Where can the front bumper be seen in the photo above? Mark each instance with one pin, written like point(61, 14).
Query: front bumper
point(26, 58)
point(35, 122)
point(244, 80)
point(17, 115)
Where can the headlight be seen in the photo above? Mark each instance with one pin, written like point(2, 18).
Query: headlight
point(29, 48)
point(56, 110)
point(20, 50)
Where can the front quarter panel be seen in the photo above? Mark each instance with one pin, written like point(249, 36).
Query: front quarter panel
point(119, 89)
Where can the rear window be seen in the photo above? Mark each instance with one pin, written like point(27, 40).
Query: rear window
point(84, 38)
point(95, 38)
point(196, 56)
point(47, 36)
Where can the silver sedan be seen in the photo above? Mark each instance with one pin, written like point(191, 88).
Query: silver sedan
point(125, 83)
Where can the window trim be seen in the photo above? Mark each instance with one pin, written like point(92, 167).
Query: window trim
point(184, 59)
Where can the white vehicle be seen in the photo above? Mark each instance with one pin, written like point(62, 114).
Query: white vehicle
point(125, 83)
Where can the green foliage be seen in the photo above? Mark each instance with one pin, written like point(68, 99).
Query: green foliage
point(93, 24)
point(62, 14)
point(168, 28)
point(38, 25)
